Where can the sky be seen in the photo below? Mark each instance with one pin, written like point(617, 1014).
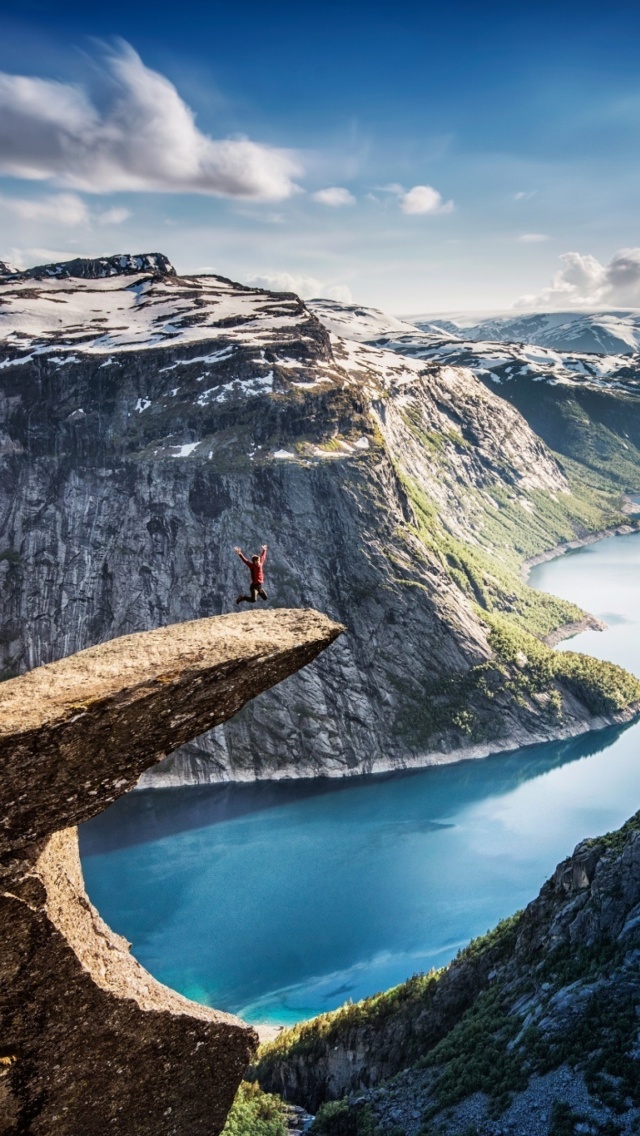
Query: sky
point(417, 157)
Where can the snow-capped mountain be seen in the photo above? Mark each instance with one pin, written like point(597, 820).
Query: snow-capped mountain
point(94, 269)
point(149, 422)
point(364, 325)
point(584, 404)
point(494, 358)
point(601, 333)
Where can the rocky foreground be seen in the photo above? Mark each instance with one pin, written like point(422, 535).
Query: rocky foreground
point(91, 1043)
point(149, 422)
point(533, 1030)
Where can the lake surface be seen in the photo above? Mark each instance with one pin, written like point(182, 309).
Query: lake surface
point(279, 901)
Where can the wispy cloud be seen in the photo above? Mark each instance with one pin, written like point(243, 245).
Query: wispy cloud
point(335, 196)
point(532, 238)
point(140, 136)
point(585, 281)
point(66, 209)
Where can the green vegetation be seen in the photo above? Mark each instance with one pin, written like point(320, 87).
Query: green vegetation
point(615, 841)
point(475, 1056)
point(564, 1122)
point(340, 1118)
point(401, 1006)
point(312, 1038)
point(528, 669)
point(255, 1113)
point(491, 576)
point(601, 686)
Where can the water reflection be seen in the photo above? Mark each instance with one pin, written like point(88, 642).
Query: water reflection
point(149, 814)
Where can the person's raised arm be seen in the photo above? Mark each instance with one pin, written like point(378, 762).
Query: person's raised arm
point(242, 556)
point(263, 554)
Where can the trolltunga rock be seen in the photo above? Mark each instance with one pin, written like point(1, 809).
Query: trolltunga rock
point(91, 1043)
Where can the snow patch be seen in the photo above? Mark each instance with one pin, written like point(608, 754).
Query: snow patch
point(184, 451)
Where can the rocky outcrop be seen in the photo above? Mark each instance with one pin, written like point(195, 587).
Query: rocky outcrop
point(537, 1020)
point(90, 1042)
point(97, 269)
point(150, 422)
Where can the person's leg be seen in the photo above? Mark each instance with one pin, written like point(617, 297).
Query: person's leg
point(243, 599)
point(262, 594)
point(254, 592)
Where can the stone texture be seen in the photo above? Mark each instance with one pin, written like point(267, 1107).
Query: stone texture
point(90, 1042)
point(76, 734)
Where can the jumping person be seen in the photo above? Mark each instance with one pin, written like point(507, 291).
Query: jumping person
point(255, 566)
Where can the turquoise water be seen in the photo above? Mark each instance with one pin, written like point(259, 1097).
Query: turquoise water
point(279, 901)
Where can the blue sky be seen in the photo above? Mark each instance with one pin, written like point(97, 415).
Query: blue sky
point(417, 157)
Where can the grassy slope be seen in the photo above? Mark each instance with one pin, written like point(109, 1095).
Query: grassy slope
point(489, 572)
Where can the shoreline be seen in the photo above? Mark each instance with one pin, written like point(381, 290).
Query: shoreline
point(579, 542)
point(380, 767)
point(569, 630)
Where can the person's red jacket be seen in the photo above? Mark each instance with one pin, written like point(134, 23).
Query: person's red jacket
point(255, 567)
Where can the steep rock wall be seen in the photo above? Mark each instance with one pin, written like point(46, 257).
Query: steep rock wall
point(150, 422)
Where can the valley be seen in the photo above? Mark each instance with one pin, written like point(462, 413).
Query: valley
point(150, 422)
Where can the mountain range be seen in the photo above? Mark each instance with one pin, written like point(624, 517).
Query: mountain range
point(149, 422)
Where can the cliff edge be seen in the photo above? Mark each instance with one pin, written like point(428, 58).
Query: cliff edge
point(91, 1042)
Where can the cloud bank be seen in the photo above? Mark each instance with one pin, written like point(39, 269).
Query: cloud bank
point(583, 281)
point(138, 135)
point(305, 286)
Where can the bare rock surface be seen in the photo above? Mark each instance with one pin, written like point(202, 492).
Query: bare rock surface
point(91, 1043)
point(76, 734)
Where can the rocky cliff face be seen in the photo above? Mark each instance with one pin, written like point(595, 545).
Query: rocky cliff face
point(532, 1030)
point(90, 1041)
point(574, 378)
point(149, 422)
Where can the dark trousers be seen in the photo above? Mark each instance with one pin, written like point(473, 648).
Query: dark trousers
point(256, 590)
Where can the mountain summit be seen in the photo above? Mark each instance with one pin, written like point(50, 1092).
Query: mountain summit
point(95, 269)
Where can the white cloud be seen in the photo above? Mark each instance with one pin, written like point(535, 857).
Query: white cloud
point(141, 136)
point(60, 208)
point(423, 199)
point(113, 216)
point(584, 281)
point(305, 286)
point(339, 292)
point(532, 238)
point(335, 196)
point(21, 258)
